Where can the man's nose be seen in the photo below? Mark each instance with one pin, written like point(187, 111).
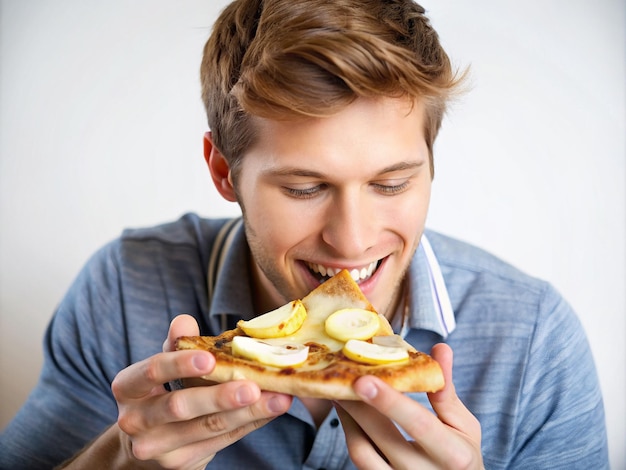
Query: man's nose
point(349, 226)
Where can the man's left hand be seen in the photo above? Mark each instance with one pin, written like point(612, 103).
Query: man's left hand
point(450, 438)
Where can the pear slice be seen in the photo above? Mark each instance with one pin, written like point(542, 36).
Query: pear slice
point(392, 341)
point(369, 353)
point(352, 323)
point(285, 355)
point(283, 321)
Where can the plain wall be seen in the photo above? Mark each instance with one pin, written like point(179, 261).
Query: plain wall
point(101, 128)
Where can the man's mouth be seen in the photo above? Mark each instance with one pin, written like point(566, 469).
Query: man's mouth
point(322, 273)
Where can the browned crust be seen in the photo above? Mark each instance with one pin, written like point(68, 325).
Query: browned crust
point(325, 374)
point(334, 381)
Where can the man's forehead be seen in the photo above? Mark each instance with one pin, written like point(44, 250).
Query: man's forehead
point(371, 114)
point(306, 150)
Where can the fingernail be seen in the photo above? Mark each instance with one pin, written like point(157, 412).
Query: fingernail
point(367, 391)
point(244, 395)
point(276, 405)
point(200, 361)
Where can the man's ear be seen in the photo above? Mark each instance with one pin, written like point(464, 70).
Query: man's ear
point(219, 168)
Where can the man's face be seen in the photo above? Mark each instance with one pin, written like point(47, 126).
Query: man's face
point(347, 191)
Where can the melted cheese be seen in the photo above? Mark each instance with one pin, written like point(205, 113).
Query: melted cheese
point(340, 292)
point(319, 306)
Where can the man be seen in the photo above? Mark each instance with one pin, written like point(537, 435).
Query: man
point(323, 116)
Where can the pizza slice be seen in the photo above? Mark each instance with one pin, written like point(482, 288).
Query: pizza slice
point(317, 347)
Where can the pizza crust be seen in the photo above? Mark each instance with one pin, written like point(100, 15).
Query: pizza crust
point(327, 373)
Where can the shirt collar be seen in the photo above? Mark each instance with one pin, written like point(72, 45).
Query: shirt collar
point(429, 304)
point(428, 300)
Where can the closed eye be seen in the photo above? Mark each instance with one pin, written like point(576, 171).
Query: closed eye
point(304, 193)
point(391, 189)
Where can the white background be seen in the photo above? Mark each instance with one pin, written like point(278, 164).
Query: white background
point(101, 128)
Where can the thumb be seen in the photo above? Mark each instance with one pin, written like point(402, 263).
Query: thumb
point(182, 325)
point(448, 406)
point(442, 353)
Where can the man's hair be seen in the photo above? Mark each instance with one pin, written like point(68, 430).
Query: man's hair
point(288, 59)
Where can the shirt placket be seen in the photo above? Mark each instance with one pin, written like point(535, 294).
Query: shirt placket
point(329, 449)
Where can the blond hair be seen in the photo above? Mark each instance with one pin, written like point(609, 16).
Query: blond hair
point(284, 59)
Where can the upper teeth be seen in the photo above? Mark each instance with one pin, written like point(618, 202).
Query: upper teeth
point(357, 274)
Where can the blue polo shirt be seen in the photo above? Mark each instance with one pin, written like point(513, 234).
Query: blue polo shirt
point(522, 364)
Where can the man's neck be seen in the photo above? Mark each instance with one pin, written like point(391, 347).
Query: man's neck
point(264, 295)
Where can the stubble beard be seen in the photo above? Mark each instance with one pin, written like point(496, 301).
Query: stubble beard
point(261, 260)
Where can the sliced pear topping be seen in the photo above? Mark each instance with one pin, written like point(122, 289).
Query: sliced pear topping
point(285, 355)
point(392, 341)
point(283, 321)
point(352, 323)
point(369, 353)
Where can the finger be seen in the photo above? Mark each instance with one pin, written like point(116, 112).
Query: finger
point(193, 454)
point(139, 379)
point(422, 425)
point(182, 325)
point(218, 429)
point(363, 452)
point(448, 406)
point(194, 402)
point(234, 416)
point(385, 437)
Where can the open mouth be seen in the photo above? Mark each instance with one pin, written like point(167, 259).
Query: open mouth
point(323, 273)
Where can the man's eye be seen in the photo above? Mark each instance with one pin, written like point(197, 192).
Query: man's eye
point(390, 189)
point(303, 193)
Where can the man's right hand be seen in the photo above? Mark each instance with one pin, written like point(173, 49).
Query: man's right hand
point(186, 428)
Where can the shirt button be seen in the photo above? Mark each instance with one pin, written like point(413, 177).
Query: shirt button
point(334, 422)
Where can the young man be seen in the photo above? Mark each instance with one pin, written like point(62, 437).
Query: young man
point(323, 116)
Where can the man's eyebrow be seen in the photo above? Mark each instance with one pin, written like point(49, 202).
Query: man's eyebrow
point(295, 171)
point(401, 166)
